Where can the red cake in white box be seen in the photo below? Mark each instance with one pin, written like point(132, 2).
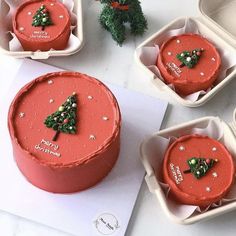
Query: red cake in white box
point(189, 62)
point(65, 131)
point(199, 170)
point(42, 25)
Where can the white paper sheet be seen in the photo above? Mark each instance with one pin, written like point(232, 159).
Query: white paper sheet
point(112, 200)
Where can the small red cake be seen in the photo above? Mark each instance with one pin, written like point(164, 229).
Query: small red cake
point(190, 62)
point(198, 169)
point(42, 25)
point(65, 131)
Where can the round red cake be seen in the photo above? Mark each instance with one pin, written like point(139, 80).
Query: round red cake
point(42, 25)
point(198, 169)
point(65, 131)
point(190, 62)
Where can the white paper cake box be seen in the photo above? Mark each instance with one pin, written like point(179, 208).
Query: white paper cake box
point(76, 41)
point(216, 23)
point(153, 167)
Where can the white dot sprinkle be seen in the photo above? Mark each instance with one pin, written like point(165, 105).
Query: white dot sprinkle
point(178, 41)
point(22, 114)
point(51, 101)
point(29, 13)
point(90, 97)
point(92, 137)
point(52, 4)
point(105, 118)
point(214, 174)
point(188, 59)
point(70, 127)
point(181, 148)
point(50, 82)
point(208, 189)
point(74, 93)
point(21, 28)
point(214, 149)
point(202, 74)
point(61, 16)
point(213, 59)
point(169, 53)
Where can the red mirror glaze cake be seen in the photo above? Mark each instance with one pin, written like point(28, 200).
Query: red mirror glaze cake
point(198, 169)
point(65, 131)
point(42, 25)
point(190, 62)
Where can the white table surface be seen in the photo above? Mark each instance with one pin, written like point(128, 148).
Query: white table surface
point(101, 58)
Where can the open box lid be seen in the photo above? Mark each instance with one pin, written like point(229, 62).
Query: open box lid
point(219, 16)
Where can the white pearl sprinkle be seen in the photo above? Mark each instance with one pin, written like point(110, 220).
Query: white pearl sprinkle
point(70, 127)
point(61, 16)
point(169, 53)
point(74, 105)
point(178, 41)
point(214, 174)
point(188, 59)
point(50, 82)
point(62, 114)
point(55, 118)
point(73, 93)
point(90, 97)
point(214, 149)
point(202, 74)
point(22, 114)
point(213, 59)
point(29, 13)
point(51, 100)
point(105, 118)
point(92, 137)
point(52, 4)
point(208, 189)
point(21, 28)
point(181, 148)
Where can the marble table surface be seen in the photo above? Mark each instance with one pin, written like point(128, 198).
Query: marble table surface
point(103, 59)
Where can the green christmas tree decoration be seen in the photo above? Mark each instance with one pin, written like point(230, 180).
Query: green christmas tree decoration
point(64, 119)
point(116, 13)
point(189, 58)
point(42, 18)
point(200, 166)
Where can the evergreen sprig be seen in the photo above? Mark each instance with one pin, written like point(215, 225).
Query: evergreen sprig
point(113, 19)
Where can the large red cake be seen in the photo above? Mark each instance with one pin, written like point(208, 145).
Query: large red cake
point(189, 62)
point(198, 169)
point(42, 25)
point(65, 131)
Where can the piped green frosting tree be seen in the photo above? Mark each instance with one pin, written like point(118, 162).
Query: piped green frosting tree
point(64, 119)
point(42, 18)
point(116, 13)
point(189, 58)
point(200, 166)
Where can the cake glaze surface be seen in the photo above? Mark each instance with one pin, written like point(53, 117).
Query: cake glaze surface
point(189, 80)
point(80, 160)
point(211, 186)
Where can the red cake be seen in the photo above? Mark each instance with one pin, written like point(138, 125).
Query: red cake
point(65, 131)
point(198, 169)
point(190, 62)
point(42, 25)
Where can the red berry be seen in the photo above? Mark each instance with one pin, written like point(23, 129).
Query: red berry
point(65, 121)
point(208, 161)
point(199, 53)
